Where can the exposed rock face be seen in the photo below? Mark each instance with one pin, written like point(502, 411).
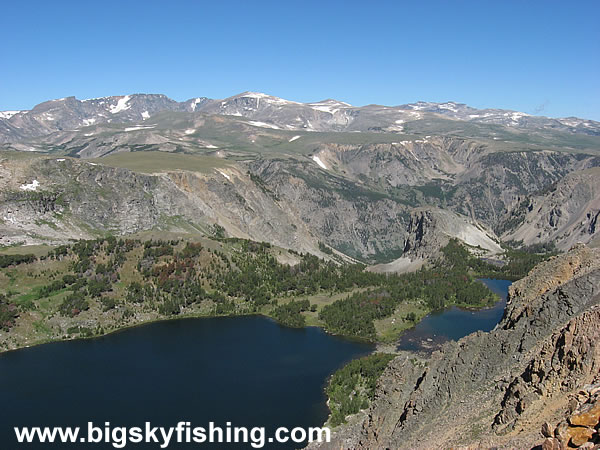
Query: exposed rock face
point(378, 195)
point(289, 202)
point(363, 223)
point(77, 199)
point(497, 388)
point(430, 229)
point(568, 213)
point(581, 427)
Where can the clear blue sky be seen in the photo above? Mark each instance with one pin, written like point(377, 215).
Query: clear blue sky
point(532, 56)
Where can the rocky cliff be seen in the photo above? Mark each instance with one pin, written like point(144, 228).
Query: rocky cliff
point(496, 389)
point(566, 213)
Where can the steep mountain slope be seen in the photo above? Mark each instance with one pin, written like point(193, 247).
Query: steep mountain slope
point(566, 213)
point(354, 178)
point(495, 389)
point(56, 199)
point(360, 198)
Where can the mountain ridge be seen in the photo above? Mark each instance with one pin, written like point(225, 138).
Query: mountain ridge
point(69, 113)
point(375, 183)
point(496, 389)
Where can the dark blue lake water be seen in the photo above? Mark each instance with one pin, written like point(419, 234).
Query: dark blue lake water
point(246, 370)
point(454, 323)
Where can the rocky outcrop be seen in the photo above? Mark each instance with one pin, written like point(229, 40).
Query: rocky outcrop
point(57, 199)
point(581, 426)
point(430, 229)
point(569, 212)
point(495, 389)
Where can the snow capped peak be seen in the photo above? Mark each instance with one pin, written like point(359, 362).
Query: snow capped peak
point(331, 101)
point(122, 105)
point(254, 95)
point(329, 106)
point(268, 99)
point(8, 114)
point(94, 99)
point(195, 103)
point(450, 106)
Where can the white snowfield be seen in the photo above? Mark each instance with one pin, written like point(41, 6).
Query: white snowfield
point(255, 123)
point(140, 128)
point(31, 186)
point(330, 107)
point(268, 99)
point(8, 114)
point(321, 164)
point(325, 108)
point(145, 115)
point(190, 131)
point(224, 174)
point(449, 106)
point(195, 103)
point(122, 105)
point(294, 138)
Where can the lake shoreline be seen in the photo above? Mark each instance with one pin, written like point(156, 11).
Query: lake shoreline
point(379, 343)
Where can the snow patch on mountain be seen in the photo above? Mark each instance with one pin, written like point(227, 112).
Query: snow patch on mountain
point(256, 123)
point(139, 128)
point(122, 105)
point(449, 106)
point(8, 114)
point(145, 115)
point(224, 174)
point(195, 103)
point(267, 98)
point(294, 138)
point(321, 164)
point(31, 186)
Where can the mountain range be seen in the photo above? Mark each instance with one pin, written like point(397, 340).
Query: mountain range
point(384, 185)
point(69, 114)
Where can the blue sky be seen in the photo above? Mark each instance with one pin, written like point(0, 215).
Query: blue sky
point(537, 57)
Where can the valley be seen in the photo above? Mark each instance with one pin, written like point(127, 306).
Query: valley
point(122, 211)
point(94, 287)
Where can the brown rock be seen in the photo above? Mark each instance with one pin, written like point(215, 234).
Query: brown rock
point(592, 388)
point(588, 416)
point(580, 435)
point(547, 430)
point(552, 444)
point(561, 432)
